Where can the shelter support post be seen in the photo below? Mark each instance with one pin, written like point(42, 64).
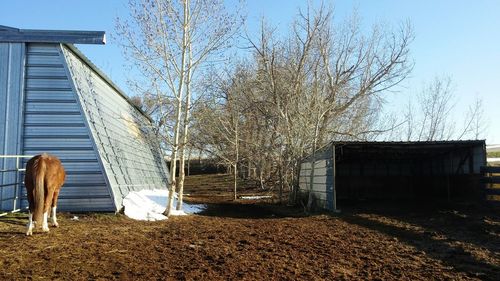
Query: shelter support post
point(334, 182)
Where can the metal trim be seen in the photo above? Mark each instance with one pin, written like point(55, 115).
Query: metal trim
point(16, 35)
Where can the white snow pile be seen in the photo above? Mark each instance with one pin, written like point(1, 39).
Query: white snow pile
point(150, 204)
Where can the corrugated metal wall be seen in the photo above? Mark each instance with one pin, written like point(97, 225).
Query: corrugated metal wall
point(54, 123)
point(11, 102)
point(124, 137)
point(322, 178)
point(53, 100)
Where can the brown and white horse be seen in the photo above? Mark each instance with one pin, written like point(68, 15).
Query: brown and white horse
point(43, 180)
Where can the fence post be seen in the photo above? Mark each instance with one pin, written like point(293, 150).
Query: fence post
point(16, 187)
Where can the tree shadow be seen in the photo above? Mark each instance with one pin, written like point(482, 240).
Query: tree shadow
point(15, 219)
point(250, 211)
point(10, 234)
point(455, 256)
point(474, 223)
point(14, 222)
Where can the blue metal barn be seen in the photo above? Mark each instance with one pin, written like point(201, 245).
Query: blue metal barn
point(54, 100)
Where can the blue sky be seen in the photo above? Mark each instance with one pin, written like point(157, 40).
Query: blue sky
point(457, 38)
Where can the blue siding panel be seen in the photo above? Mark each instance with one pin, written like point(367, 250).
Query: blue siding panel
point(55, 124)
point(11, 103)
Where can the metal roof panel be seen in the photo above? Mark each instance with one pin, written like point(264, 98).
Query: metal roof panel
point(15, 35)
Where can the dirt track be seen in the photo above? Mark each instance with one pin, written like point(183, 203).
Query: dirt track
point(260, 242)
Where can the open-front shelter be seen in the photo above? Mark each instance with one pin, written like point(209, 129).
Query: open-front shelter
point(393, 170)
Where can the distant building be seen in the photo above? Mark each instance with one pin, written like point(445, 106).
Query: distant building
point(54, 100)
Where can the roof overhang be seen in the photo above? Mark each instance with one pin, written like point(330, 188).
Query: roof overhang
point(15, 35)
point(406, 150)
point(391, 150)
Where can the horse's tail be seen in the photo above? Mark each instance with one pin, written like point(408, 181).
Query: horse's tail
point(38, 192)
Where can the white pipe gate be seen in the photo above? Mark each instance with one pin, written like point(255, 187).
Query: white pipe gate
point(19, 180)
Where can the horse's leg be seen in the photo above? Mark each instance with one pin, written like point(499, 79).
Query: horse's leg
point(29, 227)
point(48, 202)
point(54, 207)
point(29, 190)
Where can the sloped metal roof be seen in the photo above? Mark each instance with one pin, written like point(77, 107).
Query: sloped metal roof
point(16, 35)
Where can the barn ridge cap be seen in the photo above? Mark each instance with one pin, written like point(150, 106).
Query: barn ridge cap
point(16, 35)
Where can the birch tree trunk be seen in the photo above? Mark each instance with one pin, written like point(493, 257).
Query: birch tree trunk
point(310, 199)
point(184, 134)
point(175, 144)
point(167, 41)
point(236, 150)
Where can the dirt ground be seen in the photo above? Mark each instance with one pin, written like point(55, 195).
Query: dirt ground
point(248, 240)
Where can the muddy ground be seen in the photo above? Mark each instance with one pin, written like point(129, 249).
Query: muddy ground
point(248, 240)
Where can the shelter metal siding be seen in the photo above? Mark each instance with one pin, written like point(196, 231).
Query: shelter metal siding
point(54, 123)
point(11, 102)
point(322, 178)
point(124, 136)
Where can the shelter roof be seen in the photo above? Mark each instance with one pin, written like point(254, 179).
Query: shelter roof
point(16, 35)
point(366, 150)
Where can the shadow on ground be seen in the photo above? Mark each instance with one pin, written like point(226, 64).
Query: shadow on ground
point(251, 211)
point(456, 256)
point(15, 219)
point(463, 236)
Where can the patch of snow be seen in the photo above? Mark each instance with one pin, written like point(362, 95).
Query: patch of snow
point(255, 197)
point(489, 160)
point(150, 204)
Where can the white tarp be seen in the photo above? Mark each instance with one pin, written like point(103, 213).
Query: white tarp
point(150, 204)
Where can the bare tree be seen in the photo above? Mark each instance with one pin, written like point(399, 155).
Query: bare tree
point(430, 116)
point(322, 81)
point(217, 122)
point(475, 124)
point(169, 41)
point(436, 102)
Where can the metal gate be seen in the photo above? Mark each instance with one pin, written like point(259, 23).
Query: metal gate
point(11, 181)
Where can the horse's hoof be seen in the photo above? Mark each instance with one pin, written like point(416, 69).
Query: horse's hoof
point(54, 224)
point(45, 229)
point(29, 233)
